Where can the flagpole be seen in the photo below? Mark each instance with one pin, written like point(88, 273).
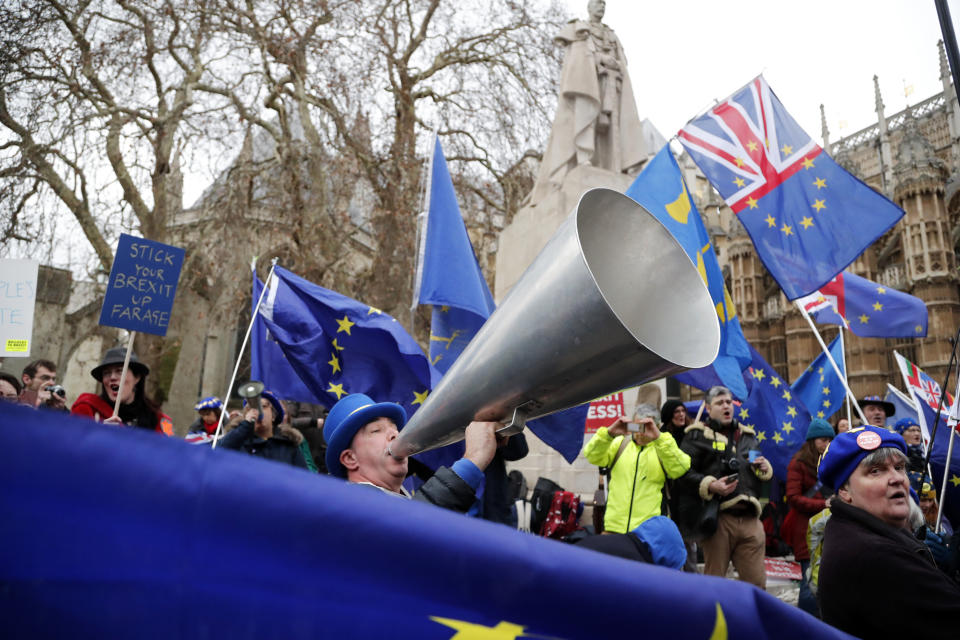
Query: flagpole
point(243, 347)
point(952, 424)
point(422, 221)
point(843, 350)
point(833, 363)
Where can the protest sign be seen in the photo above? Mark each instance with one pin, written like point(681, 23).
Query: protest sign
point(142, 284)
point(18, 293)
point(603, 411)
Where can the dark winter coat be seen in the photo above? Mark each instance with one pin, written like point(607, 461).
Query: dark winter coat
point(710, 452)
point(282, 446)
point(497, 506)
point(877, 581)
point(800, 479)
point(447, 490)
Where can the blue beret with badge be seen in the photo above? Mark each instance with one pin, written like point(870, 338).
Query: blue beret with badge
point(848, 449)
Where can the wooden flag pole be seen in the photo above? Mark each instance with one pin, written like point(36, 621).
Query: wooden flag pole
point(123, 374)
point(243, 347)
point(833, 363)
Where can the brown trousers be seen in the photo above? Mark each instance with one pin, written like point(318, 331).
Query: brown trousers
point(742, 540)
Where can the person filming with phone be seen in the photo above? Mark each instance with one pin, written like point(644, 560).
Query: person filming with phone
point(722, 490)
point(640, 458)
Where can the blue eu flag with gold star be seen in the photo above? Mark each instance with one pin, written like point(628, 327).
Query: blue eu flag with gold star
point(450, 279)
point(337, 345)
point(662, 191)
point(807, 216)
point(819, 387)
point(772, 410)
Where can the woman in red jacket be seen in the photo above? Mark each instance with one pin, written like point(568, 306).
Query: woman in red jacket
point(806, 497)
point(136, 409)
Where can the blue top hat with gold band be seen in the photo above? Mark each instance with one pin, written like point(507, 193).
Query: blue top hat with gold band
point(848, 449)
point(347, 417)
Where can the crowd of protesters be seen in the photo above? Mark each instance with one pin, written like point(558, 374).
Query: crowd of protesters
point(857, 508)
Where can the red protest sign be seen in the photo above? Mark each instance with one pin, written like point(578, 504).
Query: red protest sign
point(603, 411)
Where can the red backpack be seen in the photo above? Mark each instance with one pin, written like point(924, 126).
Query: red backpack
point(562, 518)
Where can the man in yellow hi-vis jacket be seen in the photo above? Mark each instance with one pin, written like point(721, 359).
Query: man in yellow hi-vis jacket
point(642, 458)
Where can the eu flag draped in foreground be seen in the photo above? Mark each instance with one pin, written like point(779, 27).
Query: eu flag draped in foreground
point(660, 188)
point(808, 217)
point(269, 365)
point(249, 548)
point(450, 279)
point(819, 388)
point(779, 418)
point(868, 309)
point(338, 346)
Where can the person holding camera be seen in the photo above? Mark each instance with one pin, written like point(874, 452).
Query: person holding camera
point(640, 457)
point(40, 388)
point(727, 474)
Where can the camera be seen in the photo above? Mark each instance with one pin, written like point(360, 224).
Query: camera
point(56, 390)
point(732, 465)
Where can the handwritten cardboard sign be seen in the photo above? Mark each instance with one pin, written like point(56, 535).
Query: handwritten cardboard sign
point(18, 294)
point(142, 284)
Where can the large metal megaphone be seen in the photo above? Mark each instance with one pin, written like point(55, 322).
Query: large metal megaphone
point(611, 302)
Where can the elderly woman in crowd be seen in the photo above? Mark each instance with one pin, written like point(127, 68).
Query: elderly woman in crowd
point(136, 408)
point(807, 497)
point(869, 552)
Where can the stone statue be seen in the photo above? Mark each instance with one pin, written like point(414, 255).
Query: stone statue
point(596, 122)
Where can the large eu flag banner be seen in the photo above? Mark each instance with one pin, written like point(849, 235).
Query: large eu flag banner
point(819, 388)
point(337, 345)
point(661, 190)
point(779, 418)
point(807, 217)
point(868, 309)
point(450, 279)
point(123, 534)
point(269, 365)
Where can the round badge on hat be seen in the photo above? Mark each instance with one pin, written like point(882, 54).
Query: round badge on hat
point(868, 440)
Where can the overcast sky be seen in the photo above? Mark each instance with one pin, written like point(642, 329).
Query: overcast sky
point(684, 54)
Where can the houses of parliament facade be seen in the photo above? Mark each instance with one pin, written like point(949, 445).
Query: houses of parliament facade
point(913, 158)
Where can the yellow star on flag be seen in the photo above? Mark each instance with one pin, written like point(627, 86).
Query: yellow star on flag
point(786, 149)
point(864, 319)
point(445, 308)
point(826, 391)
point(775, 382)
point(807, 163)
point(877, 306)
point(345, 324)
point(761, 436)
point(752, 145)
point(469, 631)
point(739, 161)
point(806, 222)
point(751, 203)
point(792, 412)
point(739, 182)
point(335, 363)
point(770, 221)
point(919, 329)
point(955, 480)
point(787, 396)
point(372, 310)
point(819, 183)
point(335, 345)
point(820, 414)
point(758, 374)
point(337, 389)
point(826, 404)
point(420, 397)
point(787, 229)
point(818, 205)
point(777, 437)
point(744, 414)
point(881, 290)
point(788, 427)
point(820, 370)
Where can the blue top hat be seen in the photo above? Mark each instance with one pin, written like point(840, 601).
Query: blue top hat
point(349, 415)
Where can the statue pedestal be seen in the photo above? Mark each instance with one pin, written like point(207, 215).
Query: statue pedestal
point(521, 241)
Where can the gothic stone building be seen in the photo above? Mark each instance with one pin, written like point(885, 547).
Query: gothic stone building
point(912, 157)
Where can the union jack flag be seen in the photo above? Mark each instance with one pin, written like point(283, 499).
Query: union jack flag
point(808, 217)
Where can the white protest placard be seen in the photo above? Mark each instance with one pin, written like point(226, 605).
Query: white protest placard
point(18, 295)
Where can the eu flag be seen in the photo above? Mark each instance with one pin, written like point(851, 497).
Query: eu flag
point(808, 217)
point(868, 309)
point(775, 413)
point(660, 188)
point(337, 345)
point(938, 459)
point(122, 534)
point(450, 279)
point(818, 387)
point(269, 365)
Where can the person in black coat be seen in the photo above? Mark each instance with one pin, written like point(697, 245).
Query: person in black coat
point(497, 505)
point(261, 434)
point(359, 433)
point(870, 555)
